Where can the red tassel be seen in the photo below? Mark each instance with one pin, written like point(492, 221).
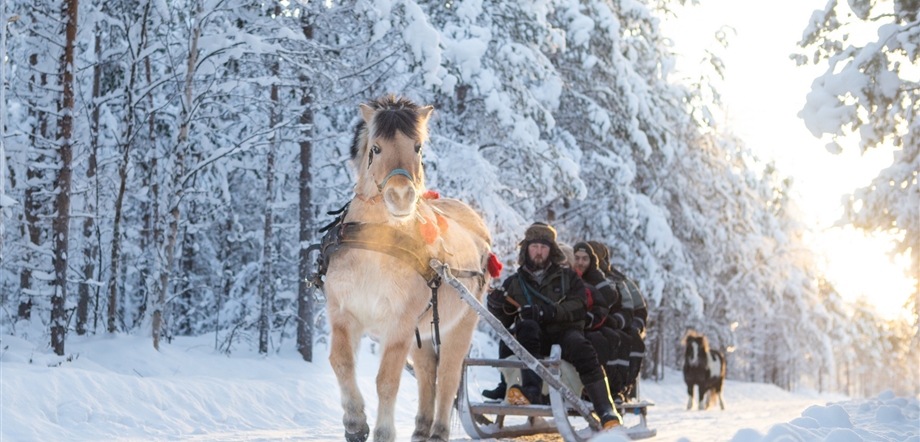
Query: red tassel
point(495, 266)
point(429, 231)
point(442, 222)
point(431, 195)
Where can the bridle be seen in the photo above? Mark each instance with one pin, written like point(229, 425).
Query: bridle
point(393, 173)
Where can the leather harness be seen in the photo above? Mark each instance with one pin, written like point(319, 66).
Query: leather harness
point(383, 238)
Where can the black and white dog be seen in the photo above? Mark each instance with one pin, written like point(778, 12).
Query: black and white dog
point(705, 368)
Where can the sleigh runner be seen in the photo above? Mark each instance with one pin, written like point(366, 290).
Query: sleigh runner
point(571, 416)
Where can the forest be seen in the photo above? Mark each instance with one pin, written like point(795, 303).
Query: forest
point(164, 167)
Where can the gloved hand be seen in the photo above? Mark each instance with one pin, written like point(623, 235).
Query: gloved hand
point(495, 300)
point(595, 317)
point(542, 313)
point(637, 325)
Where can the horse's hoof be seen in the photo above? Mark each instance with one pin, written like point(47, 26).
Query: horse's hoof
point(359, 436)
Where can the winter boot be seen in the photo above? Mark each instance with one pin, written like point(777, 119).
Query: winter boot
point(529, 392)
point(616, 376)
point(497, 393)
point(599, 393)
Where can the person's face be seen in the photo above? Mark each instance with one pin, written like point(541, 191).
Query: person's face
point(539, 254)
point(582, 260)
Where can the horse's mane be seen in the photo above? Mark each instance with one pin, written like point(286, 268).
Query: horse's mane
point(392, 114)
point(695, 334)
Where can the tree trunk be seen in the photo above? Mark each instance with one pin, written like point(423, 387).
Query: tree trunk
point(125, 146)
point(177, 180)
point(151, 218)
point(33, 203)
point(266, 281)
point(304, 294)
point(61, 226)
point(89, 248)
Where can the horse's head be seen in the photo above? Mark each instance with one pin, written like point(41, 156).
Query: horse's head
point(696, 347)
point(387, 153)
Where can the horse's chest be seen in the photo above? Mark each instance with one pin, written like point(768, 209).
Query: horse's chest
point(374, 295)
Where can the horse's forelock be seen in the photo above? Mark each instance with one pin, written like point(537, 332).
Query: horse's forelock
point(396, 114)
point(388, 122)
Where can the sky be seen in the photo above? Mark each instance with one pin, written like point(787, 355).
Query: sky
point(763, 91)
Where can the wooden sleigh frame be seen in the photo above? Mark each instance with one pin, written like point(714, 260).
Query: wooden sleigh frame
point(486, 420)
point(566, 408)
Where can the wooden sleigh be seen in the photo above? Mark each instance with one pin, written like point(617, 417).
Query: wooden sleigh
point(571, 416)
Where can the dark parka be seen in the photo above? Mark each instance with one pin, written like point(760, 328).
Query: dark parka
point(621, 317)
point(639, 306)
point(609, 299)
point(560, 286)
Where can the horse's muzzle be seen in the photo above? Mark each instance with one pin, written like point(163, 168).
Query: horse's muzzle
point(400, 200)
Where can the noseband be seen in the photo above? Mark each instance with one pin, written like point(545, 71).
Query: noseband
point(391, 175)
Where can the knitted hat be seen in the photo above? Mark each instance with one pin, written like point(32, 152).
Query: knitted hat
point(586, 248)
point(543, 234)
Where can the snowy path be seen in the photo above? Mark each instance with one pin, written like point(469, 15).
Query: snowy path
point(748, 405)
point(120, 389)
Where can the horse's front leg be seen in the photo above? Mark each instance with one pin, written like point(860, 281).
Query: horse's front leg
point(345, 340)
point(391, 366)
point(450, 365)
point(425, 362)
point(704, 397)
point(690, 392)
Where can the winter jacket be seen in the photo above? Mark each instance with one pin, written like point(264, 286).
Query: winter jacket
point(621, 313)
point(639, 307)
point(609, 299)
point(560, 285)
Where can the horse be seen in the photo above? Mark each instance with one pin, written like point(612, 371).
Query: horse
point(381, 285)
point(705, 368)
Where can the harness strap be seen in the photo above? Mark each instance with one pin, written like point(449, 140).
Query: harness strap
point(385, 239)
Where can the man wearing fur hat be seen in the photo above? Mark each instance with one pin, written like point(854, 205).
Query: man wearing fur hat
point(548, 305)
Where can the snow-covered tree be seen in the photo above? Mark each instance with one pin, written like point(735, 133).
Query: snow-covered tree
point(870, 91)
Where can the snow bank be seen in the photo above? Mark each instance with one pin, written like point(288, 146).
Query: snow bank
point(117, 388)
point(883, 418)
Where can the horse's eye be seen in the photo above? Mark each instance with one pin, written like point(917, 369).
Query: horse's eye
point(376, 149)
point(418, 147)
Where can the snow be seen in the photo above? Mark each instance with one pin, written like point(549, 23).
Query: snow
point(117, 387)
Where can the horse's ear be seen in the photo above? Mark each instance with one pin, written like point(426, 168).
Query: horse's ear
point(424, 113)
point(367, 113)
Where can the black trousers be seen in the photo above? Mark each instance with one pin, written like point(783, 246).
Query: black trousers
point(636, 354)
point(576, 349)
point(613, 348)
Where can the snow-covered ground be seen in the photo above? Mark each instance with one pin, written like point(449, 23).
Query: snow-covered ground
point(118, 388)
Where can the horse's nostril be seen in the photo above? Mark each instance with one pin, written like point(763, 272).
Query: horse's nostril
point(400, 197)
